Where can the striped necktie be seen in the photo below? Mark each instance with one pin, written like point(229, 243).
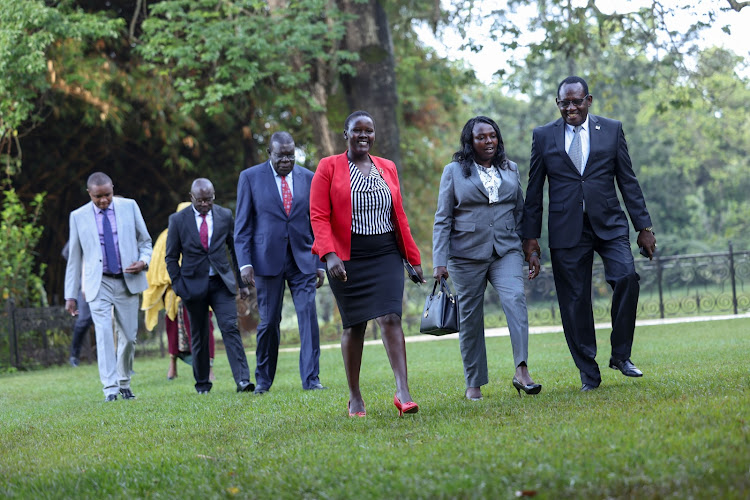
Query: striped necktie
point(576, 150)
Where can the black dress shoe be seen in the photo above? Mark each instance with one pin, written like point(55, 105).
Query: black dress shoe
point(317, 387)
point(626, 367)
point(203, 391)
point(260, 390)
point(74, 362)
point(110, 397)
point(127, 394)
point(588, 387)
point(245, 386)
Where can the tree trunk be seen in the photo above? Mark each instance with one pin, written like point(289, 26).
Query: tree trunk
point(373, 87)
point(318, 87)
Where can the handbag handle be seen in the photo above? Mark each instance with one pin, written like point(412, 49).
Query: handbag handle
point(444, 287)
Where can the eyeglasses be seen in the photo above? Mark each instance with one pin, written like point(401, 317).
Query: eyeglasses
point(575, 102)
point(202, 201)
point(283, 157)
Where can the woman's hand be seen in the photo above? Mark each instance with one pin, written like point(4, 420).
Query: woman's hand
point(335, 266)
point(440, 272)
point(418, 270)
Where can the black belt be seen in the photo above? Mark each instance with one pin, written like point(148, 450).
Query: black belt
point(118, 276)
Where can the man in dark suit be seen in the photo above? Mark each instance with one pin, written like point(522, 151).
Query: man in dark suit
point(108, 250)
point(582, 156)
point(202, 234)
point(273, 239)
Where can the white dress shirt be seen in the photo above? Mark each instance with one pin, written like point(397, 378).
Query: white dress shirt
point(210, 222)
point(289, 180)
point(585, 141)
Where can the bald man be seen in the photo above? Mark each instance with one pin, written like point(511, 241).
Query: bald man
point(202, 235)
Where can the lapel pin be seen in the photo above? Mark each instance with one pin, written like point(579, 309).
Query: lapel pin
point(597, 127)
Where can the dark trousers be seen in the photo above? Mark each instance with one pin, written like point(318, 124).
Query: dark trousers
point(225, 311)
point(572, 269)
point(270, 299)
point(82, 325)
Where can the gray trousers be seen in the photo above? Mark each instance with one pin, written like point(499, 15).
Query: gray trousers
point(115, 365)
point(470, 277)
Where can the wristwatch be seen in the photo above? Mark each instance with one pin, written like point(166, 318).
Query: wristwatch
point(650, 229)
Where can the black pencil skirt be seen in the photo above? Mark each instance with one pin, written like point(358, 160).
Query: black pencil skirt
point(375, 280)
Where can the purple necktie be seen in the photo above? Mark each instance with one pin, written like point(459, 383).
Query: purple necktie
point(109, 245)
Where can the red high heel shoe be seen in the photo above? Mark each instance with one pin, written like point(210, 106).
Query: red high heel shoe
point(355, 414)
point(408, 407)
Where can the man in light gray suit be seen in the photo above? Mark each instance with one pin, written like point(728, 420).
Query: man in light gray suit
point(109, 247)
point(476, 238)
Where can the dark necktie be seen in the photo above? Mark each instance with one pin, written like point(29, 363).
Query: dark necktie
point(204, 232)
point(109, 245)
point(286, 195)
point(576, 150)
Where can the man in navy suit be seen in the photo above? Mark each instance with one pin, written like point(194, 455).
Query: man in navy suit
point(199, 241)
point(273, 240)
point(582, 156)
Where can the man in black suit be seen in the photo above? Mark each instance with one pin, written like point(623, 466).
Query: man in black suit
point(202, 234)
point(582, 156)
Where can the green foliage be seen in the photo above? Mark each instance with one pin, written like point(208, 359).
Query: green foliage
point(19, 234)
point(28, 30)
point(675, 433)
point(215, 50)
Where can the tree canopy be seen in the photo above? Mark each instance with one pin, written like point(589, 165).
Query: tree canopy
point(159, 92)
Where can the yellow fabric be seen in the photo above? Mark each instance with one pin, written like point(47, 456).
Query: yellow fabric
point(159, 294)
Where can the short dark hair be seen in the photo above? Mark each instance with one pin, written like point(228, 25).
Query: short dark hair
point(357, 114)
point(281, 137)
point(465, 155)
point(571, 80)
point(98, 179)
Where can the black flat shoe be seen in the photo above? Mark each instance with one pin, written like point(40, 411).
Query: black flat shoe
point(528, 389)
point(588, 387)
point(626, 367)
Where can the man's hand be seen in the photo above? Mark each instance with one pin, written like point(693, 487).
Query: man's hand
point(244, 292)
point(534, 265)
point(440, 272)
point(321, 278)
point(647, 241)
point(335, 266)
point(135, 267)
point(70, 306)
point(248, 276)
point(530, 246)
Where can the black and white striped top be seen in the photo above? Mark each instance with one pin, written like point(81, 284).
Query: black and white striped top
point(371, 202)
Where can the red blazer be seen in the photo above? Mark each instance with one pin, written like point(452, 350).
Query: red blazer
point(331, 208)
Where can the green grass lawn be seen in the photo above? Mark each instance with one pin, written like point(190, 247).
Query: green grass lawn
point(681, 431)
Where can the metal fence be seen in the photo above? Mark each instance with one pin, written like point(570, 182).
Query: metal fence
point(685, 285)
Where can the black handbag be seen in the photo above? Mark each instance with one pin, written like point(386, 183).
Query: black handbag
point(440, 315)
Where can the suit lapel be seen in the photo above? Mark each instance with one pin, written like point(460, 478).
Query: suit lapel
point(594, 140)
point(273, 188)
point(192, 226)
point(474, 178)
point(559, 131)
point(297, 189)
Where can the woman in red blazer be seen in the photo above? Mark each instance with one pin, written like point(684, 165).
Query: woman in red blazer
point(362, 234)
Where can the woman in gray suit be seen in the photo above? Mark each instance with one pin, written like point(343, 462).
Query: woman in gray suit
point(476, 239)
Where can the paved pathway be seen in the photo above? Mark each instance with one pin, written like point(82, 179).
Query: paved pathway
point(502, 332)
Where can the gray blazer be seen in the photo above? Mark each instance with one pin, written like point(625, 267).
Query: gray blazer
point(85, 251)
point(466, 225)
